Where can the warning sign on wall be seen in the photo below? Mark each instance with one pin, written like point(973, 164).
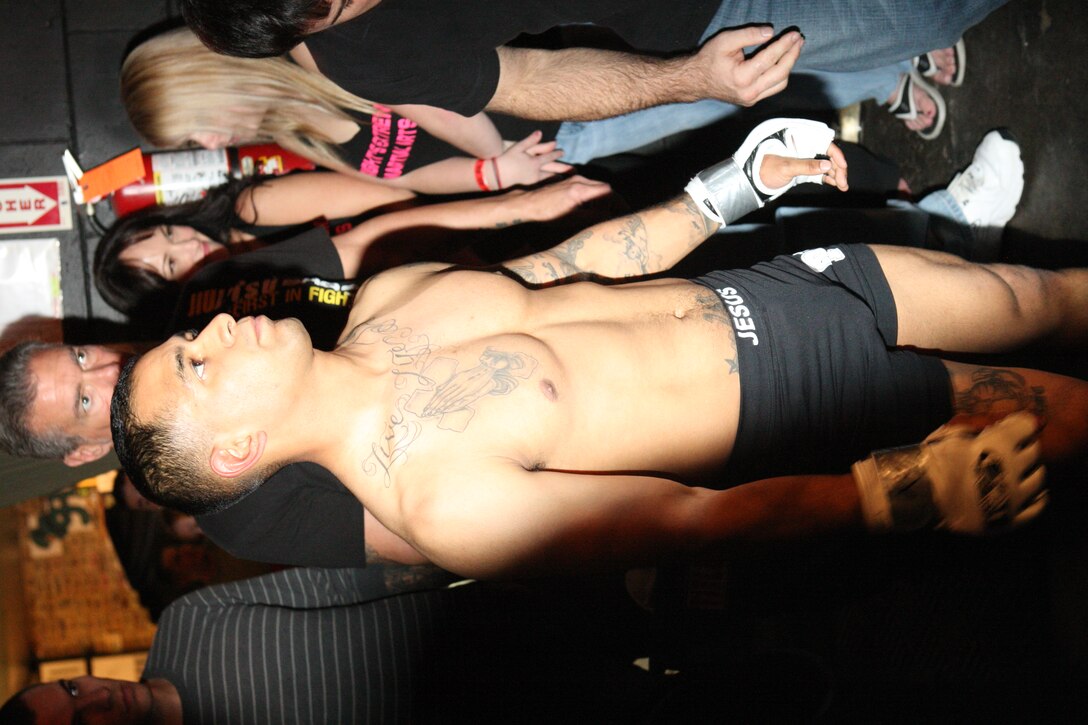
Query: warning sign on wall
point(38, 204)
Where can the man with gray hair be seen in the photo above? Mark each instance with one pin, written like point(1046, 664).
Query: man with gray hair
point(55, 400)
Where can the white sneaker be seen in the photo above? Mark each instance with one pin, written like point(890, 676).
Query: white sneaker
point(989, 189)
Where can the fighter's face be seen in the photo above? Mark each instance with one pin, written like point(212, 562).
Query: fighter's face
point(73, 386)
point(234, 375)
point(97, 701)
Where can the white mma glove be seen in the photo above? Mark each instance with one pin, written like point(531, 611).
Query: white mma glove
point(956, 480)
point(727, 191)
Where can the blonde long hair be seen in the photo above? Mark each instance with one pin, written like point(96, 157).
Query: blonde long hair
point(172, 86)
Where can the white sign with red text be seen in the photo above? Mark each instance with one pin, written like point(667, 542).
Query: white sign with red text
point(36, 204)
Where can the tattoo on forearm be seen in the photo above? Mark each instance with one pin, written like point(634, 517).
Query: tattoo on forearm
point(998, 391)
point(540, 268)
point(634, 244)
point(701, 226)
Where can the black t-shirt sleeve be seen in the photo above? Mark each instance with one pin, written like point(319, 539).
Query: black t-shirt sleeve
point(301, 516)
point(430, 70)
point(442, 53)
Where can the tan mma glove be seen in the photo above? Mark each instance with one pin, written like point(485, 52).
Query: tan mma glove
point(957, 479)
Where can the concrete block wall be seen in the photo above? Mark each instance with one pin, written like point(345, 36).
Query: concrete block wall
point(59, 89)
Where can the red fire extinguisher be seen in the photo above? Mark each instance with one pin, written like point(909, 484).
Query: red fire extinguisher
point(173, 177)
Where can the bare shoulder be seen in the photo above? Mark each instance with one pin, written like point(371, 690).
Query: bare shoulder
point(391, 284)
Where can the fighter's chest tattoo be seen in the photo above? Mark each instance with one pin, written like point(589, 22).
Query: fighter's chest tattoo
point(431, 388)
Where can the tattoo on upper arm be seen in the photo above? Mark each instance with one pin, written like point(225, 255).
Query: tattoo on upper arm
point(399, 577)
point(997, 391)
point(405, 578)
point(525, 270)
point(540, 268)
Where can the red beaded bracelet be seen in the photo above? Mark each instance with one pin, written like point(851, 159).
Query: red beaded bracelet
point(479, 170)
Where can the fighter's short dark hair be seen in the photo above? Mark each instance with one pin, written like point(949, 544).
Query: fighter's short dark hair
point(253, 28)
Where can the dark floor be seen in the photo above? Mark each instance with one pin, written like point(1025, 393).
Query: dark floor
point(898, 631)
point(937, 629)
point(1026, 71)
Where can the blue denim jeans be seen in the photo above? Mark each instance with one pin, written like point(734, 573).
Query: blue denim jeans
point(851, 35)
point(583, 141)
point(854, 50)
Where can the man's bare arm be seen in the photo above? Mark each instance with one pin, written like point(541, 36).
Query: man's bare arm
point(512, 522)
point(655, 239)
point(385, 547)
point(583, 84)
point(501, 519)
point(513, 207)
point(630, 246)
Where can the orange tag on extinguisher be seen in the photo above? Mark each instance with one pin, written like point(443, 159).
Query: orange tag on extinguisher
point(112, 175)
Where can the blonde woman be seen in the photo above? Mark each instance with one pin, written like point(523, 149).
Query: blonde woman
point(177, 92)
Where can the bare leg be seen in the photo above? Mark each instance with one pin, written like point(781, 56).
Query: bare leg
point(946, 303)
point(992, 393)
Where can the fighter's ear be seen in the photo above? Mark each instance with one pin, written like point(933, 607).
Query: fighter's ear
point(239, 456)
point(86, 452)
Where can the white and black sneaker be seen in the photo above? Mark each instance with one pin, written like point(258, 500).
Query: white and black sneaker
point(990, 188)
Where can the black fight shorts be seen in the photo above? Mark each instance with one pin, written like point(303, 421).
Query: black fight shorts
point(821, 382)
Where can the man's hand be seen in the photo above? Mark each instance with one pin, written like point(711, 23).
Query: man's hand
point(554, 200)
point(728, 76)
point(957, 479)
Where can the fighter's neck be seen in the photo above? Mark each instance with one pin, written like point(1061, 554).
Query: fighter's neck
point(345, 403)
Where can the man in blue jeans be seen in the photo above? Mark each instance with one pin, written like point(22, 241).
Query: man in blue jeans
point(457, 56)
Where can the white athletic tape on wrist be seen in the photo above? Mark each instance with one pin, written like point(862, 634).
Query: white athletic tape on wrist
point(955, 479)
point(727, 191)
point(896, 494)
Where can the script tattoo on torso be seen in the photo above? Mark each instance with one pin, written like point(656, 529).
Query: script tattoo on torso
point(434, 388)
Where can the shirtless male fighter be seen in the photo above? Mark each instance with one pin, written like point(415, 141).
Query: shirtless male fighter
point(528, 417)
